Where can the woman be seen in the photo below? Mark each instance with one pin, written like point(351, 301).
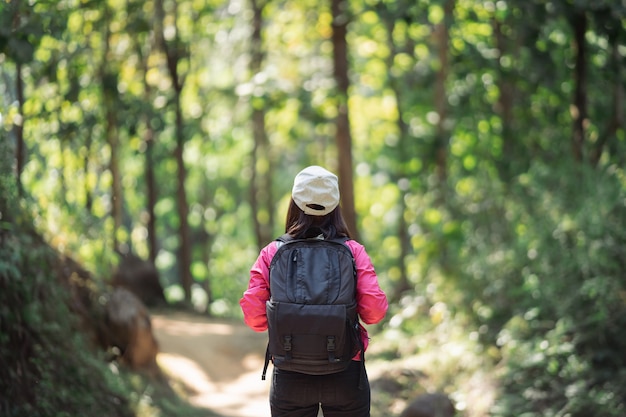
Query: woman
point(314, 211)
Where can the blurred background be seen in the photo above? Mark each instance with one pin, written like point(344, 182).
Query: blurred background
point(481, 152)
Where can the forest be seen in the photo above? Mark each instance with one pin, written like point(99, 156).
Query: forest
point(480, 148)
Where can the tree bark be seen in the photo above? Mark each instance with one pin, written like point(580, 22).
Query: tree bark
point(342, 135)
point(109, 92)
point(441, 99)
point(20, 156)
point(149, 140)
point(261, 190)
point(116, 192)
point(183, 206)
point(18, 127)
point(152, 196)
point(173, 54)
point(579, 25)
point(86, 158)
point(505, 109)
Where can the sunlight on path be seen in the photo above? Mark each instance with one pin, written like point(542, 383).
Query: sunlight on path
point(219, 363)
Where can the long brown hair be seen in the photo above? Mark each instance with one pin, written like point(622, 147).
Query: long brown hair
point(300, 225)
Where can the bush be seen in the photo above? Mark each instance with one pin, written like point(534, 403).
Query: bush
point(564, 342)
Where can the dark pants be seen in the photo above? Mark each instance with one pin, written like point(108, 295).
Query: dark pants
point(299, 395)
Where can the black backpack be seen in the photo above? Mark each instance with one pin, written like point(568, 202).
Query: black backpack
point(312, 318)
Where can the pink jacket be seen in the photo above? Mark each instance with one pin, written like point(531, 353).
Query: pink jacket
point(371, 300)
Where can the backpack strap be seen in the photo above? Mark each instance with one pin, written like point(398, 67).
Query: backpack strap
point(267, 362)
point(281, 240)
point(284, 238)
point(288, 238)
point(268, 356)
point(363, 375)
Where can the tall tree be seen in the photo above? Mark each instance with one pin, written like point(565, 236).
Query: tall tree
point(108, 80)
point(18, 43)
point(20, 156)
point(175, 52)
point(579, 105)
point(506, 100)
point(442, 133)
point(144, 51)
point(261, 190)
point(343, 136)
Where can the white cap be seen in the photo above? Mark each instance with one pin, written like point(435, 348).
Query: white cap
point(316, 191)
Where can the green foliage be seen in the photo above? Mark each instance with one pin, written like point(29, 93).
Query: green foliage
point(48, 367)
point(22, 28)
point(564, 343)
point(8, 196)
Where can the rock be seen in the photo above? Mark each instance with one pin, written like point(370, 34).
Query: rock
point(430, 405)
point(129, 329)
point(141, 278)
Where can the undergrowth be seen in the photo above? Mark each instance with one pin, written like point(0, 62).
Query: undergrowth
point(49, 365)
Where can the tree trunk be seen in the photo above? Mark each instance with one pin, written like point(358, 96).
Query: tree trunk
point(20, 156)
point(151, 191)
point(109, 92)
point(505, 110)
point(173, 54)
point(86, 158)
point(442, 133)
point(579, 25)
point(343, 136)
point(183, 206)
point(396, 86)
point(116, 192)
point(261, 195)
point(18, 127)
point(149, 140)
point(441, 98)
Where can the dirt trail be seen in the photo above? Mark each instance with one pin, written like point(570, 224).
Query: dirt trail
point(219, 361)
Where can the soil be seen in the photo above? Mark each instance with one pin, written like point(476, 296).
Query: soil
point(218, 362)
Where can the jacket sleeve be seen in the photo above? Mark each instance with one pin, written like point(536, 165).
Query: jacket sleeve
point(372, 302)
point(254, 298)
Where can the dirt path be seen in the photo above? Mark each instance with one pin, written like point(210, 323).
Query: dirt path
point(219, 362)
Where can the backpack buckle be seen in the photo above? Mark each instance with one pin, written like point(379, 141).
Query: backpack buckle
point(330, 347)
point(330, 343)
point(287, 347)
